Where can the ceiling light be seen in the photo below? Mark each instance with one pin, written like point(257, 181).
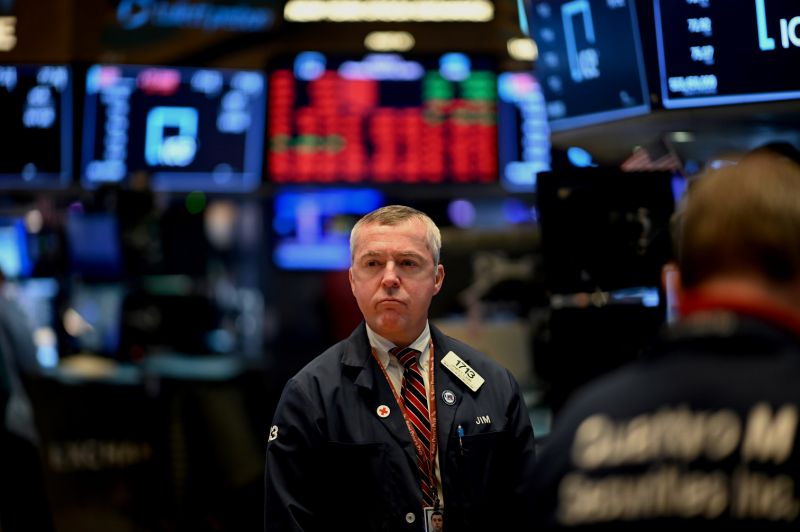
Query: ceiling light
point(389, 10)
point(389, 41)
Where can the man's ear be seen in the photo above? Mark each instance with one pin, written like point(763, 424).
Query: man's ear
point(438, 279)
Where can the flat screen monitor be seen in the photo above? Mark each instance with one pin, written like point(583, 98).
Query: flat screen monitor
point(183, 129)
point(604, 230)
point(15, 258)
point(736, 51)
point(312, 227)
point(93, 318)
point(36, 137)
point(523, 131)
point(93, 245)
point(382, 118)
point(590, 61)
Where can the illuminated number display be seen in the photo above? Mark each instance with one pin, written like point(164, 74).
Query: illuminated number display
point(184, 128)
point(36, 137)
point(714, 52)
point(383, 118)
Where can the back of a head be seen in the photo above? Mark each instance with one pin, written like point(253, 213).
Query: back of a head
point(743, 220)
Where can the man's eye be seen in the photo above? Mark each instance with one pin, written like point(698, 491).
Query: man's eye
point(408, 263)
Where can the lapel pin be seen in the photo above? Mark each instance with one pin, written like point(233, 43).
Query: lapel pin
point(383, 411)
point(449, 397)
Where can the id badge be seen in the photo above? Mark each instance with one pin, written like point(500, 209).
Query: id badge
point(434, 518)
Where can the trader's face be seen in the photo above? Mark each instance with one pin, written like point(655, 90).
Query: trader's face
point(436, 522)
point(393, 279)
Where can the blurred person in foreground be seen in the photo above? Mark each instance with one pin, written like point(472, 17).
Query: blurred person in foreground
point(349, 449)
point(24, 502)
point(703, 429)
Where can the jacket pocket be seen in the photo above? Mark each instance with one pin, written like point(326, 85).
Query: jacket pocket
point(484, 468)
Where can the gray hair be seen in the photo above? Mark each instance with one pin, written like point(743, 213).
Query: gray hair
point(395, 215)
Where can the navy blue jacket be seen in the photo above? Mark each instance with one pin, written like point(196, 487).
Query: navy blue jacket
point(702, 430)
point(334, 464)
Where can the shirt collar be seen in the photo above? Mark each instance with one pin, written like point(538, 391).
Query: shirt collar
point(382, 345)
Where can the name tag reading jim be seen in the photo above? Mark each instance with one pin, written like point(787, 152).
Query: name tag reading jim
point(461, 369)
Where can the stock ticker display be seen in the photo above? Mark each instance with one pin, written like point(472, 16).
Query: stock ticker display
point(590, 62)
point(714, 52)
point(383, 118)
point(36, 137)
point(183, 128)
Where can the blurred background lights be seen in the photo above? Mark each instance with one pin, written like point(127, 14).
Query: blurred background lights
point(522, 49)
point(454, 66)
point(34, 221)
point(389, 41)
point(389, 10)
point(195, 202)
point(462, 213)
point(580, 157)
point(309, 66)
point(516, 212)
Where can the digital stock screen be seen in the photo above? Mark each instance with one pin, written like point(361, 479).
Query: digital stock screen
point(36, 137)
point(714, 52)
point(383, 118)
point(183, 128)
point(590, 61)
point(523, 132)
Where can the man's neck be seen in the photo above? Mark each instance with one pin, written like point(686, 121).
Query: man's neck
point(780, 304)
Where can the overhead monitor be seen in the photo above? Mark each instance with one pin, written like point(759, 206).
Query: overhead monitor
point(181, 128)
point(590, 61)
point(382, 119)
point(737, 51)
point(36, 132)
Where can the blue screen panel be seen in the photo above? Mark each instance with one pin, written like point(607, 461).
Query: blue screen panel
point(93, 245)
point(523, 131)
point(15, 260)
point(590, 61)
point(312, 228)
point(182, 128)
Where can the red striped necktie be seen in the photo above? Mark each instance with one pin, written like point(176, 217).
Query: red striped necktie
point(416, 407)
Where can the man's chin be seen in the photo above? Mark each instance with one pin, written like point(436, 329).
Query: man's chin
point(388, 327)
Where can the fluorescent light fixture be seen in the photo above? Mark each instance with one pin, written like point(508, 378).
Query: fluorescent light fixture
point(389, 41)
point(389, 10)
point(522, 49)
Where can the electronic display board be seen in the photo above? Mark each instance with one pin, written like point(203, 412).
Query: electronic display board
point(382, 118)
point(36, 137)
point(312, 226)
point(590, 61)
point(185, 128)
point(715, 52)
point(523, 131)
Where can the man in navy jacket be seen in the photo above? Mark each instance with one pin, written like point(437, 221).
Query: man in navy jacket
point(703, 429)
point(341, 454)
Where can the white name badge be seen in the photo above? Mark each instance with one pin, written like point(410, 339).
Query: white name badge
point(461, 369)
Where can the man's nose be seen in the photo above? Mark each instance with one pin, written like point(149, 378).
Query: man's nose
point(390, 277)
